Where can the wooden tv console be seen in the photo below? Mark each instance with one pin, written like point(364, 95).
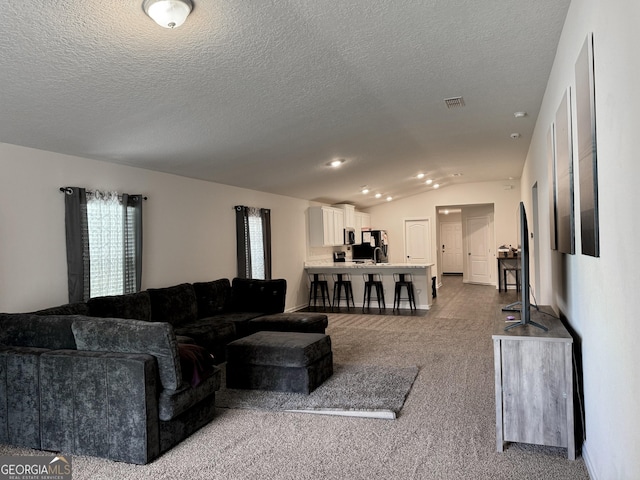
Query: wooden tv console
point(534, 382)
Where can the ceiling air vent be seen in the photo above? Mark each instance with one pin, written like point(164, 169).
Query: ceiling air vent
point(454, 102)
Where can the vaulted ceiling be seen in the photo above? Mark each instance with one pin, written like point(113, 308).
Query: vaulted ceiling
point(263, 94)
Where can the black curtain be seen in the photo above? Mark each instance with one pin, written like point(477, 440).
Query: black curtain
point(243, 240)
point(265, 214)
point(132, 205)
point(77, 239)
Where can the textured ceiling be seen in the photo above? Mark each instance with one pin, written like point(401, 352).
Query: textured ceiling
point(262, 94)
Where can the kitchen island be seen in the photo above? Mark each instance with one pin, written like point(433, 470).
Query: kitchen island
point(421, 274)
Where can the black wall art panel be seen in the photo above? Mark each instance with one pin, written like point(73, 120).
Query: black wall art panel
point(587, 157)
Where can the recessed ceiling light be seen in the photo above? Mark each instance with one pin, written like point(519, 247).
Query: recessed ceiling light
point(378, 195)
point(389, 198)
point(456, 174)
point(336, 162)
point(515, 136)
point(520, 114)
point(429, 182)
point(437, 185)
point(365, 190)
point(420, 176)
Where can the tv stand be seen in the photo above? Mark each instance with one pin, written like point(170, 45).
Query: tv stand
point(534, 383)
point(512, 308)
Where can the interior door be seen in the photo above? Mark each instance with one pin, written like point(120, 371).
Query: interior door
point(417, 235)
point(451, 239)
point(478, 249)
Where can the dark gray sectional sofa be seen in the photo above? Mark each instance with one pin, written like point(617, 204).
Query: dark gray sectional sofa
point(125, 377)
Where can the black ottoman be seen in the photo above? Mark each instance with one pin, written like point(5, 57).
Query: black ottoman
point(281, 361)
point(290, 322)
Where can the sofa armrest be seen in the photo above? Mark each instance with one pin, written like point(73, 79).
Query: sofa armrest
point(19, 395)
point(101, 404)
point(264, 296)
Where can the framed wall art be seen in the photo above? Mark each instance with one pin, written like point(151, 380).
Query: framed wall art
point(587, 153)
point(565, 227)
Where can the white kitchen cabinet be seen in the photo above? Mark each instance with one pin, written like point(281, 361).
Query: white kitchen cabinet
point(362, 220)
point(349, 214)
point(326, 226)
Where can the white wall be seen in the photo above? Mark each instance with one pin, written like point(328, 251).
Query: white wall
point(391, 216)
point(597, 295)
point(189, 227)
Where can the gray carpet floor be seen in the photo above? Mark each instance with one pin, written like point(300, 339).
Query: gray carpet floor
point(446, 429)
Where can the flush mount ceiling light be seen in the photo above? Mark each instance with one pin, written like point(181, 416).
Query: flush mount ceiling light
point(378, 195)
point(168, 13)
point(365, 190)
point(520, 114)
point(437, 185)
point(336, 162)
point(389, 198)
point(420, 176)
point(429, 181)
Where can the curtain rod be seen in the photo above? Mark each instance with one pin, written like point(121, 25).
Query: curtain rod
point(68, 191)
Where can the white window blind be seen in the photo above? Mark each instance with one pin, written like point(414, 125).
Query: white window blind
point(105, 218)
point(256, 240)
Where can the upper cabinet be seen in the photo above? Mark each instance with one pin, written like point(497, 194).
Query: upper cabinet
point(361, 220)
point(349, 214)
point(326, 226)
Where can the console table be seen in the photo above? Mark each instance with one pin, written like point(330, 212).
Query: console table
point(534, 383)
point(510, 262)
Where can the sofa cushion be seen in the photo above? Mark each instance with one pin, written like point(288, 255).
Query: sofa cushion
point(28, 330)
point(212, 297)
point(176, 305)
point(136, 306)
point(79, 308)
point(173, 403)
point(251, 295)
point(212, 333)
point(133, 336)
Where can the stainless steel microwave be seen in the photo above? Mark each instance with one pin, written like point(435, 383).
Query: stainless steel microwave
point(349, 236)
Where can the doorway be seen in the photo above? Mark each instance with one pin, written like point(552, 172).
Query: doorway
point(477, 253)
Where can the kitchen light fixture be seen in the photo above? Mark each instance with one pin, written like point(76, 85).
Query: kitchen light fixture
point(168, 13)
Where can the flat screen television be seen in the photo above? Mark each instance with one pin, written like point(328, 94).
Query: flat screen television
point(524, 304)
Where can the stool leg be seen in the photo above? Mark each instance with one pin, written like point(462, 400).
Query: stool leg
point(353, 303)
point(380, 294)
point(336, 291)
point(412, 298)
point(396, 297)
point(310, 294)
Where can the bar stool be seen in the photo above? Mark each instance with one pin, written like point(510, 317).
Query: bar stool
point(342, 281)
point(403, 280)
point(516, 273)
point(373, 280)
point(318, 281)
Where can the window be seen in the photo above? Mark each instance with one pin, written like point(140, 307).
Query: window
point(104, 243)
point(253, 235)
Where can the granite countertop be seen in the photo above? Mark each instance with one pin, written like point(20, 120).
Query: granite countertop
point(340, 265)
